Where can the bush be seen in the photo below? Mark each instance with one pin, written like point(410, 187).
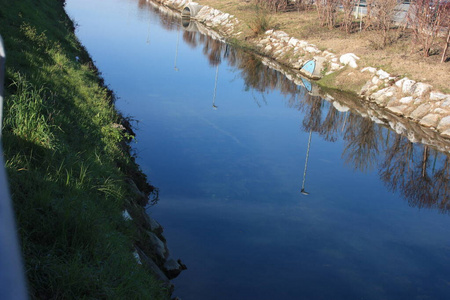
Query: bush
point(261, 22)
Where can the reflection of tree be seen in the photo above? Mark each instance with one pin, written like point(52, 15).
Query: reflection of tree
point(213, 50)
point(409, 169)
point(256, 75)
point(419, 173)
point(418, 188)
point(170, 22)
point(313, 114)
point(362, 136)
point(396, 163)
point(329, 128)
point(261, 77)
point(313, 107)
point(190, 38)
point(441, 179)
point(167, 20)
point(142, 4)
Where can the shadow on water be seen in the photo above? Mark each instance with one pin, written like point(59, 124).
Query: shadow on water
point(419, 172)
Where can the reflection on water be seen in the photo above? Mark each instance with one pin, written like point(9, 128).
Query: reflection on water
point(303, 191)
point(420, 173)
point(270, 188)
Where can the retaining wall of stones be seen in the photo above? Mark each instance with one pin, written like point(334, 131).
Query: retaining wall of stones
point(410, 99)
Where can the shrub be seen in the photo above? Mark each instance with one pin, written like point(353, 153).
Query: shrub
point(261, 22)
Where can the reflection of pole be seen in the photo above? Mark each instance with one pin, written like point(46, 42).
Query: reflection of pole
point(176, 51)
point(148, 31)
point(306, 165)
point(215, 87)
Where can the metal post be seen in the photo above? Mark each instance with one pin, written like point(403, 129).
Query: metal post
point(12, 279)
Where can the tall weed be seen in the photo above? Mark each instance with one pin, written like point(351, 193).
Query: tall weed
point(261, 22)
point(29, 113)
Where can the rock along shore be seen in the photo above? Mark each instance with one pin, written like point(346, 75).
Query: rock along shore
point(405, 99)
point(150, 247)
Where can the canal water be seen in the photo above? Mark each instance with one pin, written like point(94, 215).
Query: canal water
point(267, 191)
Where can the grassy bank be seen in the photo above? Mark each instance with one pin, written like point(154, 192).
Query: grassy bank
point(67, 163)
point(402, 56)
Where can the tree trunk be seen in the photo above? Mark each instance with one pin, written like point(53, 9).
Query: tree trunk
point(444, 54)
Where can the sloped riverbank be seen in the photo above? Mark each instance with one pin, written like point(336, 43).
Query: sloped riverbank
point(78, 194)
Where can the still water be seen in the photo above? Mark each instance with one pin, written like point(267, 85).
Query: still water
point(253, 214)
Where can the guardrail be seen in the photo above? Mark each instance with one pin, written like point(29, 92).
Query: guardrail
point(12, 278)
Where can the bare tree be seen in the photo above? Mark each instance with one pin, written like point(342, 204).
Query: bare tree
point(427, 21)
point(446, 23)
point(327, 9)
point(347, 7)
point(301, 5)
point(447, 43)
point(382, 18)
point(273, 5)
point(368, 18)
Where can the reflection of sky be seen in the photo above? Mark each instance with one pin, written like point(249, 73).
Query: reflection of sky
point(230, 180)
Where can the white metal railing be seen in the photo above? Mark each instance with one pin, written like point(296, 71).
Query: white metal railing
point(12, 277)
point(2, 79)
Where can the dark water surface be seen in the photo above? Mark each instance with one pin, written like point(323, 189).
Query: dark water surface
point(225, 140)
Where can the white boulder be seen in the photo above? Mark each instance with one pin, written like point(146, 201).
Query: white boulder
point(349, 59)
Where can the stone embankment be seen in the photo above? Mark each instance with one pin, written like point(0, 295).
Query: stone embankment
point(151, 248)
point(150, 245)
point(391, 95)
point(406, 98)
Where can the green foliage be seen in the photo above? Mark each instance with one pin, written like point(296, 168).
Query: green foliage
point(62, 150)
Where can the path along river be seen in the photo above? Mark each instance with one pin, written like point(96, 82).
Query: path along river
point(225, 139)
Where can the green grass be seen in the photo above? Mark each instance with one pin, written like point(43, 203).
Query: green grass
point(67, 163)
point(329, 81)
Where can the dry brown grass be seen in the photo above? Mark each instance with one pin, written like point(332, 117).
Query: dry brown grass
point(399, 58)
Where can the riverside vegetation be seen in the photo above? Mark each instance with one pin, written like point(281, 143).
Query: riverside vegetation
point(393, 93)
point(69, 164)
point(395, 48)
